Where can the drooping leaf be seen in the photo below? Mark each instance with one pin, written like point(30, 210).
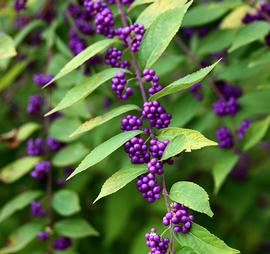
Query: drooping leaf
point(7, 47)
point(183, 140)
point(75, 228)
point(203, 242)
point(85, 88)
point(66, 202)
point(26, 130)
point(69, 155)
point(18, 203)
point(223, 167)
point(250, 33)
point(99, 120)
point(21, 238)
point(79, 59)
point(15, 170)
point(153, 44)
point(255, 133)
point(191, 195)
point(120, 179)
point(184, 83)
point(149, 15)
point(104, 150)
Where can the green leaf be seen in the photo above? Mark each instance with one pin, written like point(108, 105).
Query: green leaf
point(184, 83)
point(18, 203)
point(75, 228)
point(203, 242)
point(255, 133)
point(15, 170)
point(69, 155)
point(120, 179)
point(204, 14)
point(26, 130)
point(104, 150)
point(138, 3)
point(250, 33)
point(99, 120)
point(222, 168)
point(183, 140)
point(61, 128)
point(21, 238)
point(191, 195)
point(66, 202)
point(79, 59)
point(167, 25)
point(186, 250)
point(149, 15)
point(7, 47)
point(85, 88)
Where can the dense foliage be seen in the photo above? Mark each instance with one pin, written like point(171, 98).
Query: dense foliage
point(162, 103)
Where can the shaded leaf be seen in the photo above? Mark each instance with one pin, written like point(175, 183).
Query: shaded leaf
point(7, 47)
point(75, 228)
point(18, 203)
point(186, 250)
point(95, 122)
point(191, 195)
point(104, 150)
point(26, 130)
point(66, 202)
point(153, 44)
point(79, 59)
point(85, 88)
point(15, 170)
point(184, 83)
point(120, 179)
point(203, 242)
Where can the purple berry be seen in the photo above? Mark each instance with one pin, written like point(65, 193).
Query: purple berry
point(130, 122)
point(37, 209)
point(53, 144)
point(119, 86)
point(19, 5)
point(155, 242)
point(62, 243)
point(35, 103)
point(43, 235)
point(35, 146)
point(42, 79)
point(224, 137)
point(40, 170)
point(113, 57)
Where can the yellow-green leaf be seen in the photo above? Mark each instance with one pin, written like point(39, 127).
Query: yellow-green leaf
point(7, 46)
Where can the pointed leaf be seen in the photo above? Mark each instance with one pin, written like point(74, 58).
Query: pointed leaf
point(85, 88)
point(75, 228)
point(79, 59)
point(15, 170)
point(191, 195)
point(160, 34)
point(18, 203)
point(250, 33)
point(104, 150)
point(7, 47)
point(255, 133)
point(203, 242)
point(99, 120)
point(120, 179)
point(184, 83)
point(66, 202)
point(223, 167)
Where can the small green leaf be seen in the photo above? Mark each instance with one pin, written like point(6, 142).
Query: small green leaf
point(203, 242)
point(69, 155)
point(191, 195)
point(7, 47)
point(99, 120)
point(75, 228)
point(85, 88)
point(250, 33)
point(186, 250)
point(223, 167)
point(255, 133)
point(66, 202)
point(153, 44)
point(104, 150)
point(21, 238)
point(26, 130)
point(79, 59)
point(15, 170)
point(18, 203)
point(183, 140)
point(120, 179)
point(184, 83)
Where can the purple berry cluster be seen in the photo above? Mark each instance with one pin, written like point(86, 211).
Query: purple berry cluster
point(41, 170)
point(41, 79)
point(54, 144)
point(35, 146)
point(150, 76)
point(37, 209)
point(224, 137)
point(156, 114)
point(119, 86)
point(34, 106)
point(125, 2)
point(131, 122)
point(113, 57)
point(62, 243)
point(75, 43)
point(155, 242)
point(196, 91)
point(242, 129)
point(179, 217)
point(19, 5)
